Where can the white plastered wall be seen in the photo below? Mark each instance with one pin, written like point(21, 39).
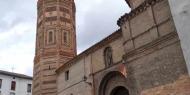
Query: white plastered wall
point(181, 15)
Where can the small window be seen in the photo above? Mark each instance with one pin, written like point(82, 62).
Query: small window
point(29, 88)
point(13, 85)
point(67, 75)
point(0, 83)
point(108, 56)
point(12, 93)
point(50, 40)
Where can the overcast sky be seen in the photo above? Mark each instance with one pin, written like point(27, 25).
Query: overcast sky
point(96, 19)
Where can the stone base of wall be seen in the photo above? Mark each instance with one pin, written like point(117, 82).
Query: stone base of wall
point(179, 87)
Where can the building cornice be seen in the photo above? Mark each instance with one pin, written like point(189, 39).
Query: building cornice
point(136, 11)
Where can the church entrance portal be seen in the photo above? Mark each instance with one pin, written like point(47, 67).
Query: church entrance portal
point(109, 85)
point(120, 91)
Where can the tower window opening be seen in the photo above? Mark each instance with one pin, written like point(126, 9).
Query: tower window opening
point(49, 68)
point(50, 37)
point(65, 37)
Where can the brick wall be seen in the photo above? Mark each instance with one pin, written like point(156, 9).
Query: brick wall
point(180, 87)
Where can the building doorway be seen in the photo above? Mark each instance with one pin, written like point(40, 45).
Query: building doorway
point(120, 91)
point(113, 83)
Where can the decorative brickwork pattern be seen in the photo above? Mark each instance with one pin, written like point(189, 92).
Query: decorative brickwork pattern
point(50, 50)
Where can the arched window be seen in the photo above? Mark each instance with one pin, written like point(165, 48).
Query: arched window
point(108, 56)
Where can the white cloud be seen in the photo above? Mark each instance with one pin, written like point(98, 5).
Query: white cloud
point(97, 19)
point(18, 56)
point(17, 35)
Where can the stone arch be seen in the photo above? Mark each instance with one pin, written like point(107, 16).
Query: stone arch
point(108, 84)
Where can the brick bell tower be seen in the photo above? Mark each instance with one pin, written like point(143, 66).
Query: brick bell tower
point(55, 42)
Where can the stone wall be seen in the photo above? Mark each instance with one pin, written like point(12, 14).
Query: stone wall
point(77, 89)
point(154, 57)
point(147, 26)
point(179, 87)
point(75, 84)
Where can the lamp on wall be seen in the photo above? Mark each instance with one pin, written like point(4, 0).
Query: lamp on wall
point(84, 78)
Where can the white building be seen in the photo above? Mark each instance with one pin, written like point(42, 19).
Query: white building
point(181, 15)
point(15, 84)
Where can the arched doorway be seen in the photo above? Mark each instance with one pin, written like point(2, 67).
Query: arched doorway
point(120, 91)
point(113, 83)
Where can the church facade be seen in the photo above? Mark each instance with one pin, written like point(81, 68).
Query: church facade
point(143, 57)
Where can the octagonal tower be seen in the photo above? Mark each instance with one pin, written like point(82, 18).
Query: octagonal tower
point(55, 42)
